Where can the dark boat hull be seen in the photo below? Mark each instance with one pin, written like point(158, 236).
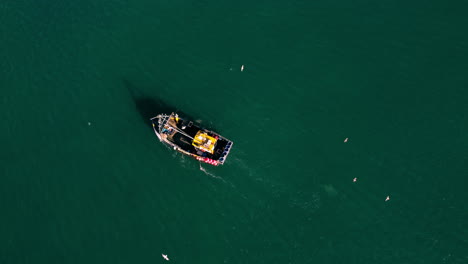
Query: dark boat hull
point(178, 133)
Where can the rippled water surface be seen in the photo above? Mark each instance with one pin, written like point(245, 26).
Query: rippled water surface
point(84, 179)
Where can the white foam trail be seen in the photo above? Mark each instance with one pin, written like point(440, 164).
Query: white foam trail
point(209, 174)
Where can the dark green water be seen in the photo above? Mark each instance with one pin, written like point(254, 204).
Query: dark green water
point(389, 75)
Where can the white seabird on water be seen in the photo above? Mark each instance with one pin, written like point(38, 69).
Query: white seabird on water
point(165, 257)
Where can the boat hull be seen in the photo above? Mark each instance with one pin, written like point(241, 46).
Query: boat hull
point(178, 134)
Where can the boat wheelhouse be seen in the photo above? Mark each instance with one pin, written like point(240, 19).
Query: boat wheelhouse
point(190, 139)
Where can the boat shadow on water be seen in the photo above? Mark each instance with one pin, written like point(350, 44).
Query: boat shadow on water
point(150, 106)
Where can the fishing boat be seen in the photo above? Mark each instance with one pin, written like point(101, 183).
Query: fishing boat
point(190, 139)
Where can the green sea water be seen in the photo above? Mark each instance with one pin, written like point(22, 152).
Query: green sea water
point(83, 178)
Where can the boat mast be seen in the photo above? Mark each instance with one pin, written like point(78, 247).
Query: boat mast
point(182, 132)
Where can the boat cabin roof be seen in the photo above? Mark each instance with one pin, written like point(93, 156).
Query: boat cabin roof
point(204, 142)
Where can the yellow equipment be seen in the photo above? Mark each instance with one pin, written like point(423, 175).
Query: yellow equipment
point(204, 142)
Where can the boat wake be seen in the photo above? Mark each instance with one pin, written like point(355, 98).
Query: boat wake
point(227, 182)
point(210, 174)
